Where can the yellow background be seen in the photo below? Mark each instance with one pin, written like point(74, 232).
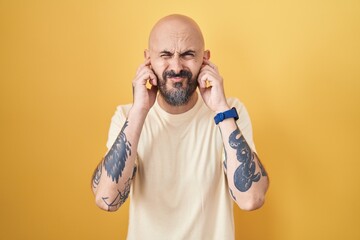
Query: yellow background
point(65, 65)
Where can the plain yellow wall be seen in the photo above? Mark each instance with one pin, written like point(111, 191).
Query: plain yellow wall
point(65, 66)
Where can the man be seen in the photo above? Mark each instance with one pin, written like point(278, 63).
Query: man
point(182, 167)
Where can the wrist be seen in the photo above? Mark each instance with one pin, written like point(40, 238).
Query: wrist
point(222, 108)
point(138, 112)
point(228, 114)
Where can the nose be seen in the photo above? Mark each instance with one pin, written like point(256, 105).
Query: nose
point(175, 64)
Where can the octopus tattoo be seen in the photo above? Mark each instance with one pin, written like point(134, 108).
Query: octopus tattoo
point(245, 174)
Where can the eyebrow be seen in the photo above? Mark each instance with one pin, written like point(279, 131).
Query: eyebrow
point(181, 54)
point(187, 52)
point(166, 52)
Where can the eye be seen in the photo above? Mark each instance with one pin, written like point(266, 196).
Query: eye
point(188, 55)
point(165, 55)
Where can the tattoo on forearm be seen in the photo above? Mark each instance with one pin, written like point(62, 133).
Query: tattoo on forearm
point(115, 159)
point(225, 161)
point(96, 176)
point(120, 197)
point(262, 169)
point(232, 194)
point(134, 172)
point(245, 174)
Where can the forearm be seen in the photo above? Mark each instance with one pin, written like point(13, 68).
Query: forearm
point(247, 178)
point(112, 178)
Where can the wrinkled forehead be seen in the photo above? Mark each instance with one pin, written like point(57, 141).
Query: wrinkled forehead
point(176, 36)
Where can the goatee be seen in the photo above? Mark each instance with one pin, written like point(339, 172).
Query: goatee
point(178, 95)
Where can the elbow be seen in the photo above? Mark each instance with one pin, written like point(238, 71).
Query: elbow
point(252, 203)
point(103, 205)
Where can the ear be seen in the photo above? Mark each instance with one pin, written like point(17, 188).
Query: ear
point(207, 54)
point(146, 54)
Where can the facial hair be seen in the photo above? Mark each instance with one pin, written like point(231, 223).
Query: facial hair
point(178, 95)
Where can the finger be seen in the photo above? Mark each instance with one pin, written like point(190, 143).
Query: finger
point(210, 64)
point(202, 80)
point(210, 69)
point(202, 90)
point(212, 72)
point(208, 79)
point(207, 71)
point(144, 76)
point(153, 89)
point(139, 68)
point(153, 79)
point(144, 69)
point(207, 67)
point(152, 76)
point(144, 64)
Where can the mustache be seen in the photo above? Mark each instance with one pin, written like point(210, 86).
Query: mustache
point(172, 74)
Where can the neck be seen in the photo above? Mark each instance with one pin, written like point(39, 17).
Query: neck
point(177, 109)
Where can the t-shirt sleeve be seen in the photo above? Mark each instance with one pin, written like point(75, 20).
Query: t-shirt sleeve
point(244, 121)
point(117, 122)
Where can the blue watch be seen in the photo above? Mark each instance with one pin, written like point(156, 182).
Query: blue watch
point(232, 113)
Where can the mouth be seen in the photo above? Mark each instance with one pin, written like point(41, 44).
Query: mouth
point(183, 76)
point(177, 79)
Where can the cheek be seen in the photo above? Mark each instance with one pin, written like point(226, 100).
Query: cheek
point(195, 67)
point(158, 67)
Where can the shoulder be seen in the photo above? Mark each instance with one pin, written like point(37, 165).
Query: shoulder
point(117, 121)
point(122, 110)
point(234, 102)
point(244, 118)
point(120, 115)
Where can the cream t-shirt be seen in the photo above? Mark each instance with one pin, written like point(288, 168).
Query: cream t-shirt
point(180, 189)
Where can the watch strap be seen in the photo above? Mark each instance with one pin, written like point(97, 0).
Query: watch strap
point(232, 113)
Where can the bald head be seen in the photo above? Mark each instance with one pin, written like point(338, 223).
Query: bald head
point(176, 27)
point(176, 54)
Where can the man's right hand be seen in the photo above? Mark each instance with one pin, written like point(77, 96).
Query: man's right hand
point(144, 98)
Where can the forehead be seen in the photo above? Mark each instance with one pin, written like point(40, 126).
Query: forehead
point(176, 37)
point(178, 43)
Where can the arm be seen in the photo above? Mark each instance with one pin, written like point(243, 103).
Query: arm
point(112, 178)
point(247, 178)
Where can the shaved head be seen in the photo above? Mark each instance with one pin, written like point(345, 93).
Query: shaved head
point(175, 26)
point(176, 53)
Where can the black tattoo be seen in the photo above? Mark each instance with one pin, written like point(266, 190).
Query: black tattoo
point(225, 166)
point(244, 175)
point(115, 159)
point(232, 194)
point(225, 162)
point(96, 176)
point(262, 169)
point(120, 197)
point(134, 172)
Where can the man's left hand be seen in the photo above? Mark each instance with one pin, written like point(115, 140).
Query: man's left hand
point(211, 87)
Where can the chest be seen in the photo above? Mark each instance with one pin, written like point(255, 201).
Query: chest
point(187, 153)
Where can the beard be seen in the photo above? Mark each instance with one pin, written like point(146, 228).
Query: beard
point(178, 95)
